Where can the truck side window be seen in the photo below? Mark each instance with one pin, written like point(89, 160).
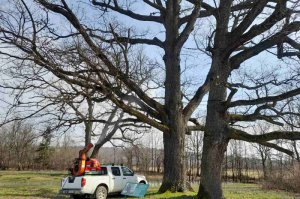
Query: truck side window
point(127, 172)
point(103, 171)
point(115, 171)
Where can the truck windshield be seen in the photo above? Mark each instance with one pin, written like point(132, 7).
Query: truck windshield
point(127, 172)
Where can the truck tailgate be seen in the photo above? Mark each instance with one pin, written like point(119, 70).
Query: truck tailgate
point(71, 182)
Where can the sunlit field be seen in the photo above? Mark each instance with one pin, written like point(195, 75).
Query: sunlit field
point(46, 184)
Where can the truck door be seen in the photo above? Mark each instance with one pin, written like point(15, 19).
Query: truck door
point(128, 175)
point(117, 180)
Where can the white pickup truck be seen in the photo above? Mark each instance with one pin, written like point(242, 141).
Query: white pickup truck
point(110, 179)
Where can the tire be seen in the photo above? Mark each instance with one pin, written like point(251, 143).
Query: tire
point(101, 192)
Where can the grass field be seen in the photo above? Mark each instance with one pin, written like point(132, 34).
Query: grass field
point(42, 185)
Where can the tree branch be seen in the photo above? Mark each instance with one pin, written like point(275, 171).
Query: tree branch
point(155, 41)
point(119, 74)
point(248, 20)
point(190, 25)
point(292, 43)
point(262, 100)
point(197, 98)
point(157, 6)
point(264, 138)
point(239, 58)
point(270, 136)
point(129, 13)
point(237, 40)
point(253, 117)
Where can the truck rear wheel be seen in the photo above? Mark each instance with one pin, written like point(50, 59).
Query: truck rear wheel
point(101, 192)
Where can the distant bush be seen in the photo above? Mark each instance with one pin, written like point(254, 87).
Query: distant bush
point(288, 180)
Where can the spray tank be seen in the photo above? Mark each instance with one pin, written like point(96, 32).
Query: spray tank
point(83, 164)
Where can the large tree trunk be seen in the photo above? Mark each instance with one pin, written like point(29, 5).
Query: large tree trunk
point(216, 136)
point(215, 139)
point(174, 178)
point(211, 167)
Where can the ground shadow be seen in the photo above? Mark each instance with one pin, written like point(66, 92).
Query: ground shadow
point(118, 196)
point(149, 196)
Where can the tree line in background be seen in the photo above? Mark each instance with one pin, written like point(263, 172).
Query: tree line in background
point(22, 148)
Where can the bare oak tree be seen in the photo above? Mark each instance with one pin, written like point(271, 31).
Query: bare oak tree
point(240, 30)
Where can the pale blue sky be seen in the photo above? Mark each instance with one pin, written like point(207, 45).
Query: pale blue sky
point(198, 62)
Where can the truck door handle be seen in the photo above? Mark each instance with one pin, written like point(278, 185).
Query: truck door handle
point(124, 178)
point(113, 178)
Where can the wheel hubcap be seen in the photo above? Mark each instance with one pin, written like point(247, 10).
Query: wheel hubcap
point(101, 193)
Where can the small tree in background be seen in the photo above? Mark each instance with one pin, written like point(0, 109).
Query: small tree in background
point(44, 150)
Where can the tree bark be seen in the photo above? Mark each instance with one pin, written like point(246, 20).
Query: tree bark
point(88, 133)
point(216, 134)
point(89, 124)
point(174, 178)
point(211, 167)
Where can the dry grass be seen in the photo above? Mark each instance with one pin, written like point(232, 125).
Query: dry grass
point(288, 181)
point(45, 184)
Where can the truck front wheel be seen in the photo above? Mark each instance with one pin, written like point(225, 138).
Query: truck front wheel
point(101, 192)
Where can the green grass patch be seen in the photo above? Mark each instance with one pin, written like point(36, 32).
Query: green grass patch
point(253, 191)
point(29, 184)
point(46, 184)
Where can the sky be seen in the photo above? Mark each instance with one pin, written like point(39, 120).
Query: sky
point(198, 63)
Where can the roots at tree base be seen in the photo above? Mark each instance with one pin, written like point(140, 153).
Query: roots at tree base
point(203, 194)
point(172, 187)
point(169, 186)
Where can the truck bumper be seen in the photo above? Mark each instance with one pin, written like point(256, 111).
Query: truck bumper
point(71, 191)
